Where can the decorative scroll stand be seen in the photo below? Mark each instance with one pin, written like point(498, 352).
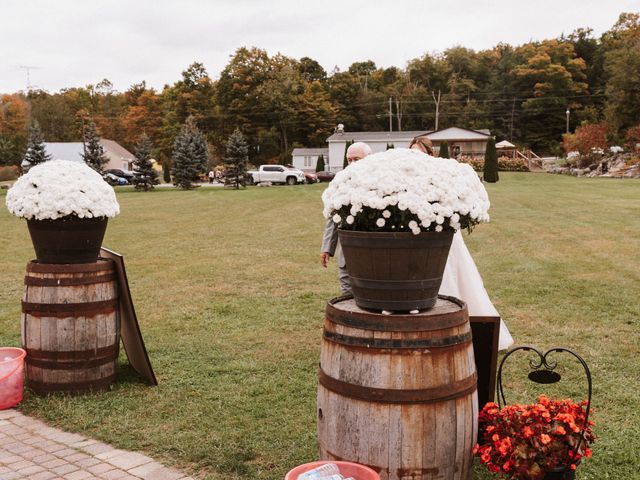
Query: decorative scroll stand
point(543, 372)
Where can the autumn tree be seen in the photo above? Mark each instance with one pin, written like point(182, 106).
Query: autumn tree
point(587, 138)
point(14, 121)
point(622, 69)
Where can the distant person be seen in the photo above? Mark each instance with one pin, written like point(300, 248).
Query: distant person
point(423, 144)
point(212, 176)
point(330, 242)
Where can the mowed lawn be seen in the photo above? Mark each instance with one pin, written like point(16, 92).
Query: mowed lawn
point(230, 298)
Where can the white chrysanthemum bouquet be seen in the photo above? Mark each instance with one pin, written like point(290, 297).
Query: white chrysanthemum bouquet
point(61, 188)
point(404, 190)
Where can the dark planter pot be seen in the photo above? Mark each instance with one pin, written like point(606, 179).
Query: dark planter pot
point(395, 271)
point(67, 240)
point(562, 473)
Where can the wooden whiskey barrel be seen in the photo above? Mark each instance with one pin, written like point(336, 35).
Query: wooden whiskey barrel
point(398, 392)
point(70, 326)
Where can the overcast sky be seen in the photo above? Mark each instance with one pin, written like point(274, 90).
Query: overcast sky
point(75, 43)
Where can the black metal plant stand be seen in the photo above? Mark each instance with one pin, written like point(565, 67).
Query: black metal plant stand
point(543, 372)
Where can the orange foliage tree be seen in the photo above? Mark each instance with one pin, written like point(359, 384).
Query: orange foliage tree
point(586, 138)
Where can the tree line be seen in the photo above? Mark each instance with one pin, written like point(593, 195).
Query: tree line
point(521, 93)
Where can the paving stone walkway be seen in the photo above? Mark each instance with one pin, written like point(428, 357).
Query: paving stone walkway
point(29, 449)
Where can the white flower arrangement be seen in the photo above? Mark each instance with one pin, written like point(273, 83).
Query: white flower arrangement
point(403, 190)
point(61, 188)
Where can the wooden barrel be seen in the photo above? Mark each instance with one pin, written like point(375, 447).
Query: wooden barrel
point(398, 392)
point(70, 326)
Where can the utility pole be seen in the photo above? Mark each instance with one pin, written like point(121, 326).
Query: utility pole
point(390, 116)
point(513, 108)
point(399, 114)
point(433, 94)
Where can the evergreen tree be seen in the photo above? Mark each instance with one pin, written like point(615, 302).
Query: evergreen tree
point(166, 170)
point(146, 176)
point(346, 147)
point(236, 159)
point(93, 152)
point(320, 163)
point(36, 152)
point(490, 173)
point(190, 155)
point(444, 150)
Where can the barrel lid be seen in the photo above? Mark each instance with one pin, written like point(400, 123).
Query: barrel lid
point(446, 313)
point(100, 265)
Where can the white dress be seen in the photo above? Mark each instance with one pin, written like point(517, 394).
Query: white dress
point(462, 280)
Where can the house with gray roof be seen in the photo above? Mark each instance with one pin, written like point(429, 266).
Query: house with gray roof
point(119, 157)
point(461, 141)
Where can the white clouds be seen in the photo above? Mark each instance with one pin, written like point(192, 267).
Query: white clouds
point(76, 43)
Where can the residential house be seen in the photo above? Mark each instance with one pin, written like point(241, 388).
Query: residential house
point(119, 157)
point(305, 159)
point(462, 141)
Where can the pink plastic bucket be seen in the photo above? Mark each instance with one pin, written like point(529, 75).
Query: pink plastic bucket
point(347, 469)
point(11, 367)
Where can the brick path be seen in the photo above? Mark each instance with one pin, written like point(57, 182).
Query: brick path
point(29, 449)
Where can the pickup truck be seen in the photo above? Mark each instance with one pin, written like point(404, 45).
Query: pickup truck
point(276, 174)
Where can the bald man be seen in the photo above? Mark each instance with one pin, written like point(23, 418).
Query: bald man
point(330, 243)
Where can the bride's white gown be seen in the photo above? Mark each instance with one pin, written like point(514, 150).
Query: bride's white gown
point(462, 280)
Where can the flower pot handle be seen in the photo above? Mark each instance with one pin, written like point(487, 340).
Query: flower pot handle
point(543, 371)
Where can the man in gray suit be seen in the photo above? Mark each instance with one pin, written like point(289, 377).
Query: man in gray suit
point(330, 243)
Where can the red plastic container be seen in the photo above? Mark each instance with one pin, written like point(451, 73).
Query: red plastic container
point(11, 367)
point(347, 469)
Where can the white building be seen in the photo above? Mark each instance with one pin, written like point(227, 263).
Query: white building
point(461, 141)
point(305, 159)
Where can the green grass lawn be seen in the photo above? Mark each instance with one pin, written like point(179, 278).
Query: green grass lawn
point(230, 297)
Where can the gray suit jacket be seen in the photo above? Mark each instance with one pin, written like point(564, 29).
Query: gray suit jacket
point(330, 242)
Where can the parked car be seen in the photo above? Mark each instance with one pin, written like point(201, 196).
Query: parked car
point(325, 176)
point(276, 174)
point(128, 175)
point(310, 177)
point(112, 179)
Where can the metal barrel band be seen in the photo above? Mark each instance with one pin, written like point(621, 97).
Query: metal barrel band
point(63, 310)
point(103, 264)
point(76, 360)
point(390, 240)
point(451, 391)
point(425, 283)
point(409, 343)
point(71, 387)
point(68, 282)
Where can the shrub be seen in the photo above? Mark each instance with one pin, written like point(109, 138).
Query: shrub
point(587, 137)
point(8, 173)
point(444, 150)
point(633, 137)
point(476, 163)
point(508, 164)
point(490, 171)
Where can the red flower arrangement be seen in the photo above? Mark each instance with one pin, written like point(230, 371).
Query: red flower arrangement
point(526, 441)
